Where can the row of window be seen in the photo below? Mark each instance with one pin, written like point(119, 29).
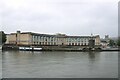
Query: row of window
point(52, 39)
point(78, 44)
point(78, 39)
point(41, 37)
point(44, 43)
point(54, 43)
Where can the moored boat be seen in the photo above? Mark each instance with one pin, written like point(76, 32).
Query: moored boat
point(30, 48)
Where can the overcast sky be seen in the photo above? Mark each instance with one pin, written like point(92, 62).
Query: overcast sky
point(72, 17)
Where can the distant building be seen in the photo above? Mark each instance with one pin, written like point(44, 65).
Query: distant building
point(107, 38)
point(105, 41)
point(35, 39)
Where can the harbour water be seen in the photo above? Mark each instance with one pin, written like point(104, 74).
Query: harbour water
point(28, 64)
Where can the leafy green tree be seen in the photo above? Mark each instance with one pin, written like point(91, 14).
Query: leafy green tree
point(2, 37)
point(111, 42)
point(118, 42)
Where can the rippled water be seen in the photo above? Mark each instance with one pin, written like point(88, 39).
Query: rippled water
point(27, 64)
point(0, 64)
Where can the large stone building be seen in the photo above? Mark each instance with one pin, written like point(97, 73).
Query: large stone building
point(35, 39)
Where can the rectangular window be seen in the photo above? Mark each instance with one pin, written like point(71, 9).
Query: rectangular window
point(69, 43)
point(75, 43)
point(72, 43)
point(39, 43)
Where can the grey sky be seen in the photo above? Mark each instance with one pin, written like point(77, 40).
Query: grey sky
point(72, 17)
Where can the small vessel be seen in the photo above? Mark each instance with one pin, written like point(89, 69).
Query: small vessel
point(30, 48)
point(25, 48)
point(37, 49)
point(110, 49)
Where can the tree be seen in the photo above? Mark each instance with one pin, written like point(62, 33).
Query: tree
point(2, 37)
point(118, 42)
point(111, 42)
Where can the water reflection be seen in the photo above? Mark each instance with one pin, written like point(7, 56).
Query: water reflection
point(27, 64)
point(93, 56)
point(0, 64)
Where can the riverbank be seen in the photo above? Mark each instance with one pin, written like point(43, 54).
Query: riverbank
point(16, 48)
point(56, 48)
